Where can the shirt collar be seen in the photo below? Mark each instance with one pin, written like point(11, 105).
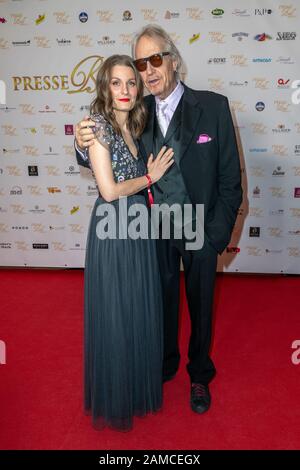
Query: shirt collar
point(173, 99)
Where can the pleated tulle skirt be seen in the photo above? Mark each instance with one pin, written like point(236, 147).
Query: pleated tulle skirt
point(122, 326)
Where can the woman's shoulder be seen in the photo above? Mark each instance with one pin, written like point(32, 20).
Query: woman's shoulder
point(103, 129)
point(100, 118)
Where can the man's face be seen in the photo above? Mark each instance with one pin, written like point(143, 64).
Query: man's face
point(159, 81)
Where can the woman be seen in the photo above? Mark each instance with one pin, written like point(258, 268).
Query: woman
point(123, 307)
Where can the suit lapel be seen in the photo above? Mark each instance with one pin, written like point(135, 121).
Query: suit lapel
point(191, 113)
point(148, 134)
point(175, 121)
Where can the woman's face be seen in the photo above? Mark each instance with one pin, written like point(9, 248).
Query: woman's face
point(123, 88)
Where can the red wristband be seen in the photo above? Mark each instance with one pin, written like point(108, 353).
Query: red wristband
point(150, 195)
point(149, 180)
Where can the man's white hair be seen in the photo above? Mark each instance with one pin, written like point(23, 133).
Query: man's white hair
point(156, 32)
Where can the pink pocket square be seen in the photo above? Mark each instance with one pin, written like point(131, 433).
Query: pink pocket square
point(203, 138)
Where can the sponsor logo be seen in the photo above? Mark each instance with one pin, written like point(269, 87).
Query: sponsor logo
point(240, 36)
point(277, 192)
point(288, 10)
point(217, 37)
point(279, 149)
point(53, 190)
point(149, 14)
point(194, 13)
point(105, 16)
point(296, 192)
point(239, 60)
point(254, 231)
point(295, 212)
point(33, 170)
point(217, 12)
point(217, 60)
point(83, 17)
point(47, 109)
point(40, 19)
point(42, 41)
point(262, 11)
point(5, 245)
point(127, 16)
point(63, 42)
point(262, 60)
point(261, 83)
point(74, 210)
point(72, 171)
point(238, 12)
point(257, 171)
point(239, 84)
point(286, 36)
point(194, 38)
point(20, 227)
point(258, 149)
point(62, 17)
point(256, 192)
point(171, 15)
point(21, 43)
point(283, 83)
point(106, 41)
point(259, 128)
point(278, 171)
point(282, 106)
point(275, 232)
point(262, 37)
point(277, 212)
point(238, 106)
point(84, 40)
point(37, 210)
point(19, 19)
point(69, 129)
point(253, 251)
point(260, 106)
point(52, 170)
point(285, 60)
point(216, 84)
point(256, 212)
point(16, 191)
point(281, 129)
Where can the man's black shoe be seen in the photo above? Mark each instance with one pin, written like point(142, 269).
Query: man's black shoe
point(200, 398)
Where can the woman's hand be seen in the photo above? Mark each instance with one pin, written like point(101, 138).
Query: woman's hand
point(163, 161)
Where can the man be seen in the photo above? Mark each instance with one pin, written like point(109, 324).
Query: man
point(198, 126)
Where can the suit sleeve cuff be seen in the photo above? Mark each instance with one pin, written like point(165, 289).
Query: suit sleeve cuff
point(82, 152)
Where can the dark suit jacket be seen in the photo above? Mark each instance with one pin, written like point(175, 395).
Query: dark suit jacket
point(211, 171)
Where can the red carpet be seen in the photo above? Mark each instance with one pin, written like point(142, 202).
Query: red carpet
point(255, 393)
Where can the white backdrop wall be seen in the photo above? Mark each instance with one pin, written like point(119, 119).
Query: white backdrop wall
point(50, 53)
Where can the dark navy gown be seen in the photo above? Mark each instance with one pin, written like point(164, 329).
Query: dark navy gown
point(123, 316)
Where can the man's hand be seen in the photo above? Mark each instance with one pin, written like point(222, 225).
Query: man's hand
point(84, 134)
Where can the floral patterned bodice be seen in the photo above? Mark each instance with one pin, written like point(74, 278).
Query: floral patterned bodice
point(124, 165)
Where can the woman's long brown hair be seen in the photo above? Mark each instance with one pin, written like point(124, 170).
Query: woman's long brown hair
point(103, 102)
